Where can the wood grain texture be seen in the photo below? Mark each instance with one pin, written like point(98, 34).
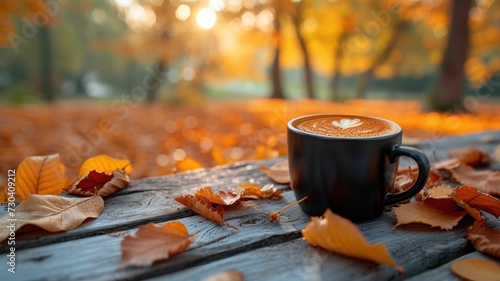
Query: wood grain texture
point(145, 200)
point(443, 273)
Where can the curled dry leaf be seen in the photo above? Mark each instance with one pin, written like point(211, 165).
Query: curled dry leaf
point(443, 213)
point(106, 164)
point(484, 239)
point(187, 164)
point(486, 181)
point(278, 172)
point(471, 155)
point(476, 269)
point(154, 242)
point(103, 183)
point(40, 175)
point(341, 236)
point(224, 198)
point(203, 207)
point(53, 213)
point(254, 191)
point(474, 198)
point(230, 275)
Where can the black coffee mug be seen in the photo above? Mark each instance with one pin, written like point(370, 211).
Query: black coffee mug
point(353, 176)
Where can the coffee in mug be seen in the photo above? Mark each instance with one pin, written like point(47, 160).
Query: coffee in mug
point(349, 164)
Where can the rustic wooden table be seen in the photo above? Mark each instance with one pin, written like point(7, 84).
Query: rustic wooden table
point(260, 249)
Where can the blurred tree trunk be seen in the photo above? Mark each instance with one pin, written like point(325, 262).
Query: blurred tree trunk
point(276, 79)
point(449, 90)
point(308, 74)
point(155, 81)
point(335, 79)
point(365, 79)
point(46, 64)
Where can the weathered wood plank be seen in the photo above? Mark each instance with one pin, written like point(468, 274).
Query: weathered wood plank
point(416, 249)
point(256, 249)
point(145, 200)
point(443, 273)
point(98, 258)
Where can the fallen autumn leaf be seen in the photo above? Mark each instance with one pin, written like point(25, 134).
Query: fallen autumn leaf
point(40, 175)
point(53, 213)
point(154, 242)
point(341, 236)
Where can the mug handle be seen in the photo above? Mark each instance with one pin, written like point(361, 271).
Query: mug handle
point(423, 173)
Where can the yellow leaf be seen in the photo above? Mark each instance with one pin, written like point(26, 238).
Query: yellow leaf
point(53, 213)
point(476, 269)
point(154, 242)
point(341, 236)
point(187, 164)
point(40, 175)
point(106, 164)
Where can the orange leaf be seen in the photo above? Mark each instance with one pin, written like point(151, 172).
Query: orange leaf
point(476, 269)
point(203, 207)
point(154, 242)
point(187, 164)
point(477, 199)
point(442, 213)
point(40, 175)
point(223, 198)
point(103, 183)
point(106, 164)
point(53, 213)
point(471, 155)
point(486, 181)
point(484, 239)
point(341, 236)
point(278, 172)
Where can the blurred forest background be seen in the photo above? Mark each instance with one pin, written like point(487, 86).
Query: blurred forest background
point(185, 51)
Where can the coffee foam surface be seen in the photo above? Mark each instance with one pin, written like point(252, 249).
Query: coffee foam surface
point(345, 126)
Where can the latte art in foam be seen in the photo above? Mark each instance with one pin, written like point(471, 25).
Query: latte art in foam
point(345, 126)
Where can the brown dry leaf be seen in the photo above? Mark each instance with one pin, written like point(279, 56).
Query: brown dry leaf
point(40, 175)
point(442, 213)
point(475, 269)
point(445, 165)
point(154, 242)
point(254, 191)
point(484, 239)
point(440, 191)
point(103, 183)
point(106, 164)
point(476, 199)
point(187, 164)
point(486, 181)
point(339, 235)
point(203, 207)
point(224, 198)
point(471, 155)
point(230, 275)
point(53, 213)
point(278, 172)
